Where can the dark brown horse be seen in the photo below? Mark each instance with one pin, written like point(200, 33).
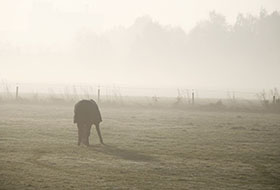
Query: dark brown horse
point(86, 113)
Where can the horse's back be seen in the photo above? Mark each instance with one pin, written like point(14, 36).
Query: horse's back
point(87, 111)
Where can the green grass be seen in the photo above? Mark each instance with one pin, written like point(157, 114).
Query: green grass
point(145, 149)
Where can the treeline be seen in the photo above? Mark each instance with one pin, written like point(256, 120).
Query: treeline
point(243, 55)
point(247, 51)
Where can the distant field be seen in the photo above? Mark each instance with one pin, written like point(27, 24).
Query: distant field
point(146, 148)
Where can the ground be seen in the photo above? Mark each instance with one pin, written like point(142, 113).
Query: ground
point(146, 148)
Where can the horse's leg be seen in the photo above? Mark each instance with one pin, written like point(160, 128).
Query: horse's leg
point(80, 134)
point(87, 133)
point(83, 135)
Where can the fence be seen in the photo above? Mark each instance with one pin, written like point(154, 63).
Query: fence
point(10, 90)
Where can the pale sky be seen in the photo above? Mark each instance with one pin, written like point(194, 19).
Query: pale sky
point(15, 14)
point(47, 22)
point(36, 24)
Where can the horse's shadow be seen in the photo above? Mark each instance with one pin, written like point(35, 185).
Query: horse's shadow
point(114, 151)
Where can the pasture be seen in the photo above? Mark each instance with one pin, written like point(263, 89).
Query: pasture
point(146, 148)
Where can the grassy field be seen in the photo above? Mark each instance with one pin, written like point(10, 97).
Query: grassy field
point(146, 148)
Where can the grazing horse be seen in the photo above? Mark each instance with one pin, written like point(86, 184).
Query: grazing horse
point(86, 113)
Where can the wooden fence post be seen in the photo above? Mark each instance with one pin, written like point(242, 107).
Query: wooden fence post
point(17, 92)
point(192, 97)
point(98, 95)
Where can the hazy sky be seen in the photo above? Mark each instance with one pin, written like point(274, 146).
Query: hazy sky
point(18, 17)
point(15, 14)
point(35, 24)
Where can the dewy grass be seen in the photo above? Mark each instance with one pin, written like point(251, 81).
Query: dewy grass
point(145, 149)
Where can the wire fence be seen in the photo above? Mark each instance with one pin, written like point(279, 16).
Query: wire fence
point(109, 92)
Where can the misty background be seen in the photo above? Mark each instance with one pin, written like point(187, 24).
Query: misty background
point(195, 44)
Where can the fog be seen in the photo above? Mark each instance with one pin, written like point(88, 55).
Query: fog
point(140, 94)
point(198, 44)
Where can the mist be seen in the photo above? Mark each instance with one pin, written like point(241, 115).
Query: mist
point(140, 94)
point(159, 43)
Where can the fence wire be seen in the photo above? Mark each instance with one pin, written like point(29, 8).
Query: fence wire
point(74, 91)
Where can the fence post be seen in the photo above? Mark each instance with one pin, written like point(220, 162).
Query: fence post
point(192, 97)
point(17, 92)
point(274, 99)
point(98, 95)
